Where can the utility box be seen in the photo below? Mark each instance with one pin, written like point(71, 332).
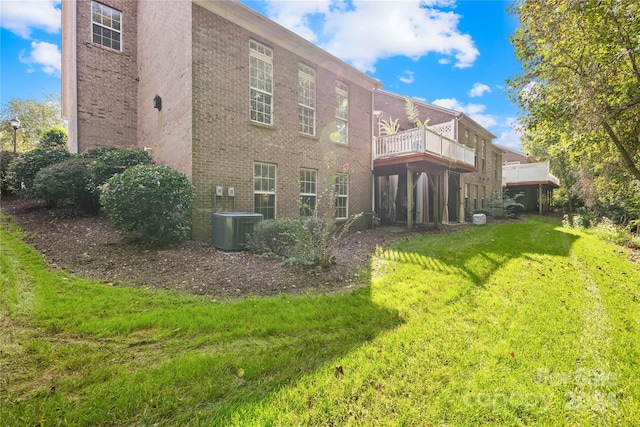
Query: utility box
point(230, 229)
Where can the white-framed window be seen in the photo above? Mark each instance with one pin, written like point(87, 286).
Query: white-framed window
point(106, 26)
point(341, 188)
point(342, 114)
point(475, 149)
point(496, 165)
point(467, 194)
point(306, 99)
point(261, 83)
point(475, 197)
point(483, 203)
point(484, 155)
point(264, 189)
point(308, 191)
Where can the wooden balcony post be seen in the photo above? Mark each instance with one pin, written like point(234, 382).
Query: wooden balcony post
point(409, 198)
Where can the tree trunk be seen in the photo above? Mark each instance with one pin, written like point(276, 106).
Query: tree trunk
point(623, 151)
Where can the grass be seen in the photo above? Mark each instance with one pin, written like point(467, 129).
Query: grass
point(507, 324)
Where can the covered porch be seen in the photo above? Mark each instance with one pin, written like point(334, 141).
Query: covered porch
point(418, 177)
point(534, 181)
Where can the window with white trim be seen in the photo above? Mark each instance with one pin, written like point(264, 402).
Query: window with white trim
point(496, 165)
point(264, 189)
point(484, 154)
point(475, 149)
point(308, 191)
point(342, 114)
point(106, 26)
point(475, 197)
point(306, 99)
point(341, 188)
point(467, 194)
point(483, 203)
point(261, 83)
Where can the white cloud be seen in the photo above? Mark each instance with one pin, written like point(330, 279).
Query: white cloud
point(509, 135)
point(45, 55)
point(21, 17)
point(364, 31)
point(472, 110)
point(479, 89)
point(407, 77)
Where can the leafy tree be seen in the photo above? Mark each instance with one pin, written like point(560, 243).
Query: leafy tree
point(35, 117)
point(580, 84)
point(55, 136)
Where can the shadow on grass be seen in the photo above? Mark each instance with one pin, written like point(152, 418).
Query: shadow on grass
point(116, 356)
point(477, 252)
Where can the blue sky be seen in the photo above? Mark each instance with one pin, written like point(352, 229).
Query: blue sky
point(452, 53)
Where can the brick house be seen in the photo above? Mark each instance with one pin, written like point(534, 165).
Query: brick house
point(259, 118)
point(451, 164)
point(224, 95)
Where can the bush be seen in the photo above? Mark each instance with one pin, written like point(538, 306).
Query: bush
point(309, 241)
point(95, 153)
point(55, 136)
point(152, 201)
point(5, 159)
point(23, 169)
point(112, 161)
point(275, 236)
point(67, 181)
point(513, 209)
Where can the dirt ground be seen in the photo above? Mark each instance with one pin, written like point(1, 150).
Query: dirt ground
point(89, 246)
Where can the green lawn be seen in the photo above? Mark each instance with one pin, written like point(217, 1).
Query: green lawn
point(506, 324)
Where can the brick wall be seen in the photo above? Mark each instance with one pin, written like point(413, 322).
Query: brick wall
point(164, 64)
point(107, 81)
point(226, 144)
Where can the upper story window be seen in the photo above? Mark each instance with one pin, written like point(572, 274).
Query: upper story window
point(496, 165)
point(306, 99)
point(261, 83)
point(476, 148)
point(484, 154)
point(342, 114)
point(106, 26)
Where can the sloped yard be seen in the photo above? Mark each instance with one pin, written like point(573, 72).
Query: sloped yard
point(509, 324)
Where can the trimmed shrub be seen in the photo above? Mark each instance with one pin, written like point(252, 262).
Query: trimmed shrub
point(5, 159)
point(114, 161)
point(152, 201)
point(67, 181)
point(23, 169)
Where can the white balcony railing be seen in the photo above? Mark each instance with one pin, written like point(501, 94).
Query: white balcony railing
point(422, 140)
point(528, 172)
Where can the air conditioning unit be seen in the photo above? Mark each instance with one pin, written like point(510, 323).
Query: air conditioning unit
point(230, 229)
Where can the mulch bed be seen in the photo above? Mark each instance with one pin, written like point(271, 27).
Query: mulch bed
point(88, 246)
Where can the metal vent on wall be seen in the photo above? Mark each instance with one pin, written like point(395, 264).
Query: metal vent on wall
point(230, 229)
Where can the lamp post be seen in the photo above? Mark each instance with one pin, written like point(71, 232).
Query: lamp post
point(15, 124)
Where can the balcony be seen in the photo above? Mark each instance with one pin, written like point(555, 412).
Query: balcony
point(528, 173)
point(423, 141)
